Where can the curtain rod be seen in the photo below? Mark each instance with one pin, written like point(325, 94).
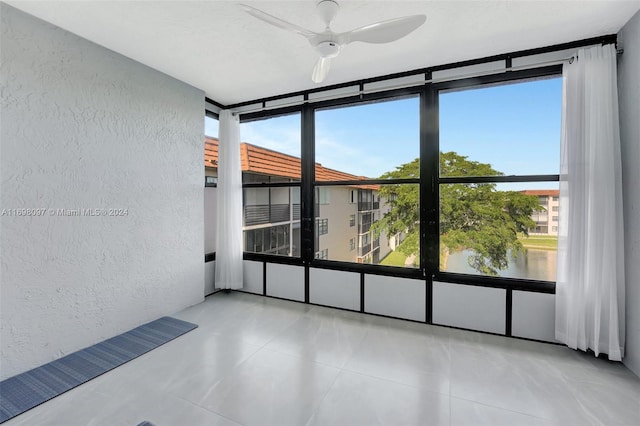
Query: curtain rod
point(405, 85)
point(417, 83)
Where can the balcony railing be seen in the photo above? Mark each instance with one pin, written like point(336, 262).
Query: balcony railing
point(265, 213)
point(540, 217)
point(296, 212)
point(364, 249)
point(376, 257)
point(363, 228)
point(364, 206)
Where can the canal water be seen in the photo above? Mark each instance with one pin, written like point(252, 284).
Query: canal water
point(532, 264)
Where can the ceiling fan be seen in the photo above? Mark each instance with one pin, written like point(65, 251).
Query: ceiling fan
point(329, 43)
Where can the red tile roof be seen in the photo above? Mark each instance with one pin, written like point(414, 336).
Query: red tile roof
point(541, 192)
point(256, 159)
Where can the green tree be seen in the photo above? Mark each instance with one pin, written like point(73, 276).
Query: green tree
point(475, 217)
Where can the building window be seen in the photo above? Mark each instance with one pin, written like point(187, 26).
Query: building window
point(269, 240)
point(554, 218)
point(554, 228)
point(323, 195)
point(352, 244)
point(555, 199)
point(322, 254)
point(365, 199)
point(352, 220)
point(554, 208)
point(323, 226)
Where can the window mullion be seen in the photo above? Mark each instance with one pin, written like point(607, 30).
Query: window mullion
point(307, 189)
point(429, 198)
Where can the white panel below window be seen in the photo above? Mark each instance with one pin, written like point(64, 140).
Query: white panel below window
point(209, 277)
point(534, 315)
point(395, 297)
point(334, 288)
point(286, 281)
point(252, 277)
point(472, 307)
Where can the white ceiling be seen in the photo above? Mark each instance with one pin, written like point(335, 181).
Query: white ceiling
point(233, 57)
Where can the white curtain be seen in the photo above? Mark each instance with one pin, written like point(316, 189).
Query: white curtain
point(229, 207)
point(590, 278)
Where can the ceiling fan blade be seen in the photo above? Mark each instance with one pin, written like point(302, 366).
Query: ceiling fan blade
point(385, 31)
point(321, 70)
point(270, 19)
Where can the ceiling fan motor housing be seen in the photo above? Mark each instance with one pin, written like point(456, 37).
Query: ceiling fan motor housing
point(328, 49)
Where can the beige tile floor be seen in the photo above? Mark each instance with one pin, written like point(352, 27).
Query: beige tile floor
point(260, 361)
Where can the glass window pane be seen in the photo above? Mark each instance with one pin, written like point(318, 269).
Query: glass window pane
point(381, 227)
point(368, 141)
point(507, 129)
point(211, 126)
point(210, 149)
point(271, 220)
point(504, 230)
point(270, 149)
point(211, 176)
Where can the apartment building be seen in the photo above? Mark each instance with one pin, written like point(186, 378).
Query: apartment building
point(344, 215)
point(546, 220)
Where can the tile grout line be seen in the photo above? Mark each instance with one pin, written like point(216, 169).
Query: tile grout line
point(208, 410)
point(324, 396)
point(500, 408)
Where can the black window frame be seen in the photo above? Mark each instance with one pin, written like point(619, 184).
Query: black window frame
point(429, 182)
point(278, 258)
point(364, 99)
point(512, 77)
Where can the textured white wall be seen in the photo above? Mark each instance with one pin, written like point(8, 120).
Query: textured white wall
point(84, 127)
point(629, 100)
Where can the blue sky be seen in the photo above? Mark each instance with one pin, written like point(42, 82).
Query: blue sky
point(513, 127)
